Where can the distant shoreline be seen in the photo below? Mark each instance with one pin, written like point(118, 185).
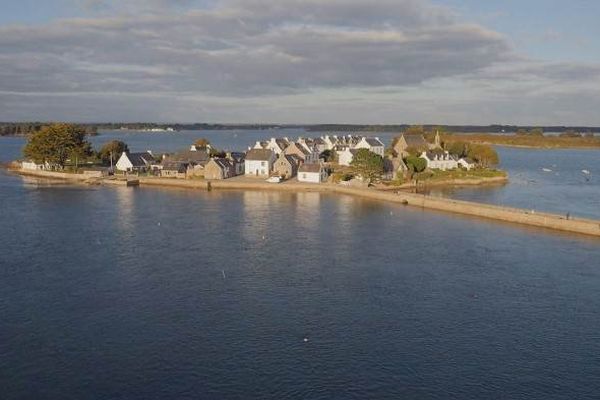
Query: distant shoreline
point(513, 215)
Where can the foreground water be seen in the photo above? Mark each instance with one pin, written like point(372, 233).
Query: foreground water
point(167, 294)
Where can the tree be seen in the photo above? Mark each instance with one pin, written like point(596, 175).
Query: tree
point(458, 149)
point(484, 154)
point(367, 164)
point(55, 144)
point(416, 164)
point(328, 155)
point(202, 142)
point(114, 147)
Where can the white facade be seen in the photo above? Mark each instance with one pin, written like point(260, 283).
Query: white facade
point(124, 164)
point(257, 167)
point(442, 161)
point(312, 175)
point(32, 166)
point(346, 156)
point(372, 144)
point(466, 164)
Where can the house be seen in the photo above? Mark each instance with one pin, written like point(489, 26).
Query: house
point(237, 160)
point(308, 155)
point(467, 163)
point(413, 141)
point(286, 166)
point(195, 157)
point(330, 142)
point(259, 162)
point(393, 167)
point(33, 166)
point(346, 155)
point(312, 173)
point(439, 160)
point(278, 145)
point(135, 162)
point(372, 144)
point(219, 168)
point(174, 169)
point(260, 145)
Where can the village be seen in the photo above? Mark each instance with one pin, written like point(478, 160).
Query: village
point(345, 159)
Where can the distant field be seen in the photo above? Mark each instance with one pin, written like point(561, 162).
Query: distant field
point(541, 142)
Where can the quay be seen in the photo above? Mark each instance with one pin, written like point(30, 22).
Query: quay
point(505, 214)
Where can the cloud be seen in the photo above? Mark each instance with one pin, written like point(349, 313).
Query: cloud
point(264, 60)
point(249, 47)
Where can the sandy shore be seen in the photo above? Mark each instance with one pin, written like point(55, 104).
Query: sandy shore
point(505, 214)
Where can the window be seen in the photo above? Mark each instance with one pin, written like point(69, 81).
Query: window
point(263, 164)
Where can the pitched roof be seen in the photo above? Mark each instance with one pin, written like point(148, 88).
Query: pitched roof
point(175, 166)
point(236, 156)
point(373, 141)
point(140, 159)
point(414, 140)
point(189, 156)
point(259, 155)
point(222, 162)
point(310, 168)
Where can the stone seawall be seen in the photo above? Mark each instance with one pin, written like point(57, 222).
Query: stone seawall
point(488, 211)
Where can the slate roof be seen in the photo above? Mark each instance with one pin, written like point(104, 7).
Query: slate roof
point(259, 155)
point(310, 168)
point(200, 156)
point(140, 159)
point(175, 166)
point(414, 140)
point(373, 141)
point(222, 163)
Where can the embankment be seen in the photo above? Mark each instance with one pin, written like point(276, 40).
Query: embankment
point(513, 215)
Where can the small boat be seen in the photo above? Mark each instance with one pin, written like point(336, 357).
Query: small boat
point(585, 171)
point(546, 170)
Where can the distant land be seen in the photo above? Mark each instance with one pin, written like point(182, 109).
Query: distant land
point(25, 128)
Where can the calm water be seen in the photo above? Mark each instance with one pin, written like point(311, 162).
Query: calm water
point(128, 293)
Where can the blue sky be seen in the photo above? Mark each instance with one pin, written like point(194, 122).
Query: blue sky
point(297, 61)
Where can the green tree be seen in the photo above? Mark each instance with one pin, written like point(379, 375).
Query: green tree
point(416, 164)
point(114, 147)
point(57, 143)
point(367, 164)
point(458, 149)
point(484, 154)
point(328, 155)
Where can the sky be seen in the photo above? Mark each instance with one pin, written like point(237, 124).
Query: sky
point(526, 62)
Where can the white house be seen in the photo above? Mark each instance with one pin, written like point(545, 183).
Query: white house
point(33, 166)
point(346, 156)
point(439, 160)
point(467, 163)
point(312, 173)
point(371, 143)
point(135, 162)
point(308, 155)
point(259, 162)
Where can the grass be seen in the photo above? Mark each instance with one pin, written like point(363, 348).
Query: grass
point(437, 175)
point(542, 142)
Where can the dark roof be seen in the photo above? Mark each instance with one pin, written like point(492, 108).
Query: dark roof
point(236, 156)
point(302, 149)
point(469, 160)
point(222, 162)
point(414, 140)
point(373, 141)
point(259, 155)
point(310, 168)
point(318, 141)
point(190, 156)
point(291, 158)
point(175, 166)
point(140, 159)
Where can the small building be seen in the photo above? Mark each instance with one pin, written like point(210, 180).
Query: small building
point(308, 155)
point(372, 144)
point(346, 155)
point(33, 166)
point(467, 163)
point(219, 168)
point(237, 159)
point(440, 159)
point(393, 168)
point(259, 162)
point(174, 169)
point(312, 173)
point(286, 166)
point(413, 141)
point(135, 162)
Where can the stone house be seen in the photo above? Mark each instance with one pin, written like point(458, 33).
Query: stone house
point(219, 168)
point(308, 155)
point(415, 141)
point(286, 166)
point(174, 169)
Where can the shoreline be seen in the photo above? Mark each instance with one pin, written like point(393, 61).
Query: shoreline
point(487, 211)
